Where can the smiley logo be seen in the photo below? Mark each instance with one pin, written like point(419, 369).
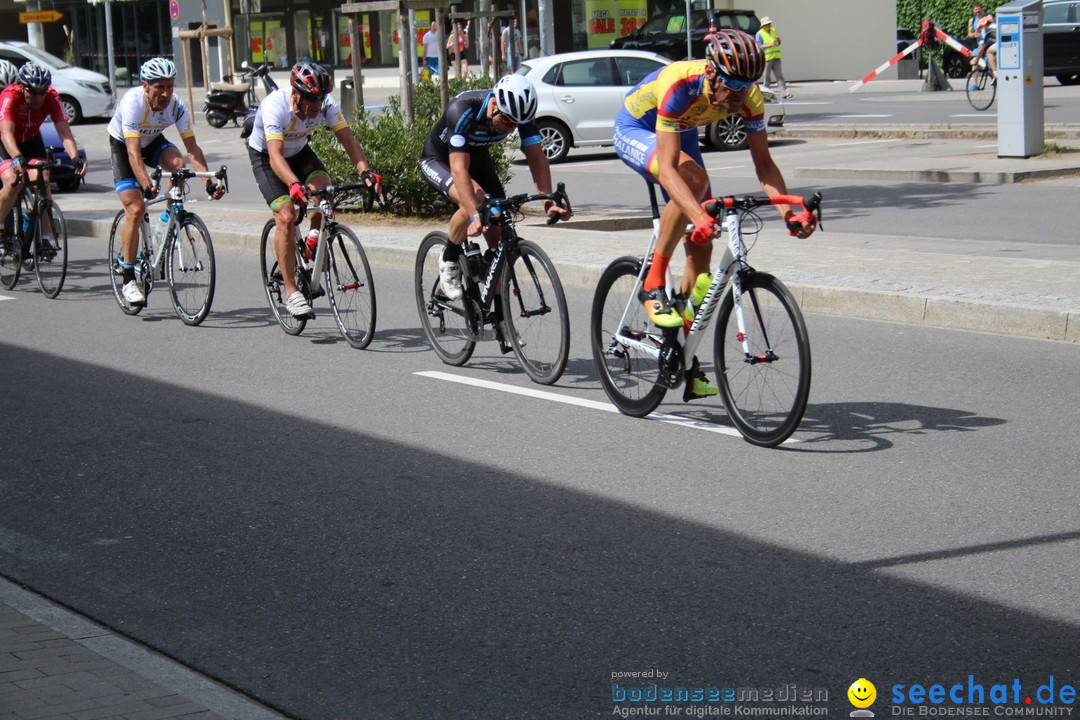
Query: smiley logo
point(862, 693)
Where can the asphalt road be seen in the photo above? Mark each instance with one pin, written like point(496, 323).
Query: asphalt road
point(340, 536)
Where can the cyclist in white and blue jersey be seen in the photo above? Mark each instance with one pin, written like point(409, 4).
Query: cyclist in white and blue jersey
point(136, 140)
point(456, 162)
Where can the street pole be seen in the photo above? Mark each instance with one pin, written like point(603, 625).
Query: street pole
point(109, 47)
point(689, 41)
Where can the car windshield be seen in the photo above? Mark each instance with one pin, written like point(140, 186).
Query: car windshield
point(45, 58)
point(675, 22)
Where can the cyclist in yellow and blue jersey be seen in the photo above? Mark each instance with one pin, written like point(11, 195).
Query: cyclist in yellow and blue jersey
point(656, 133)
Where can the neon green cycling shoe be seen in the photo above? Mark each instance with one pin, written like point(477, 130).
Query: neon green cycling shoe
point(702, 387)
point(660, 311)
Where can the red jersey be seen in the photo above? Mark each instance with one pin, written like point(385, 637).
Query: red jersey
point(28, 120)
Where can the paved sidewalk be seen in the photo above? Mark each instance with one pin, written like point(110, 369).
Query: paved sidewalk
point(55, 665)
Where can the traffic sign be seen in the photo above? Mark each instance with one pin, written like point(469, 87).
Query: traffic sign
point(40, 16)
point(174, 9)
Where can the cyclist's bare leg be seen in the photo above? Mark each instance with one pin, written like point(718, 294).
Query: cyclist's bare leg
point(673, 226)
point(459, 221)
point(317, 182)
point(134, 208)
point(284, 218)
point(8, 193)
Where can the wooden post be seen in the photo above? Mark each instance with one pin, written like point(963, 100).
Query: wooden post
point(187, 78)
point(403, 65)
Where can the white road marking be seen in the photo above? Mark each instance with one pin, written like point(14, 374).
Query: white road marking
point(862, 116)
point(6, 297)
point(865, 142)
point(580, 402)
point(978, 115)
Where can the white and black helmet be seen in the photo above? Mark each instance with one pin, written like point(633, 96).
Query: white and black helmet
point(8, 73)
point(516, 98)
point(157, 69)
point(32, 75)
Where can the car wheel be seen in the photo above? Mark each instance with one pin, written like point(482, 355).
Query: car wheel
point(1073, 79)
point(72, 111)
point(956, 66)
point(728, 134)
point(556, 139)
point(69, 184)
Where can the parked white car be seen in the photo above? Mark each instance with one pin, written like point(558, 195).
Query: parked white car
point(83, 93)
point(580, 93)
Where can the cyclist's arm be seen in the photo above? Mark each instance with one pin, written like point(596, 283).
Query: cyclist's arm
point(195, 154)
point(352, 148)
point(668, 149)
point(459, 169)
point(540, 169)
point(7, 134)
point(772, 180)
point(275, 148)
point(63, 129)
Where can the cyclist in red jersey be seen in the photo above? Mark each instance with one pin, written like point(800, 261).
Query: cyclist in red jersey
point(24, 105)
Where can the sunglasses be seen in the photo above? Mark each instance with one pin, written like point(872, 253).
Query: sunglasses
point(505, 118)
point(310, 98)
point(36, 91)
point(732, 84)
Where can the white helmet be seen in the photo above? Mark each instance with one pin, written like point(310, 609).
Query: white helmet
point(8, 73)
point(157, 69)
point(516, 98)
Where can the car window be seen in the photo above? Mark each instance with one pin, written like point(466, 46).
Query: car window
point(13, 57)
point(633, 70)
point(739, 22)
point(655, 25)
point(675, 23)
point(587, 73)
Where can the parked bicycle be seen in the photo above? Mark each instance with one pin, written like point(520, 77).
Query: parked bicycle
point(981, 86)
point(530, 319)
point(343, 273)
point(761, 347)
point(39, 235)
point(176, 249)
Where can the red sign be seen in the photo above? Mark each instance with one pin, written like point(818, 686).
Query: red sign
point(174, 9)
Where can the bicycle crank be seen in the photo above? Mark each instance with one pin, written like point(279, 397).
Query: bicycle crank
point(672, 365)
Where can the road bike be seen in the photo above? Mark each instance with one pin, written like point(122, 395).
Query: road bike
point(176, 249)
point(39, 240)
point(761, 347)
point(513, 287)
point(344, 274)
point(981, 86)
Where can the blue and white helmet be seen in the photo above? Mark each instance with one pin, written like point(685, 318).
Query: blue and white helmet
point(8, 73)
point(32, 75)
point(157, 69)
point(516, 98)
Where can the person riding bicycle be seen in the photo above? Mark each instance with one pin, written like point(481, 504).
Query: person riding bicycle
point(988, 45)
point(455, 161)
point(656, 134)
point(285, 166)
point(136, 140)
point(26, 100)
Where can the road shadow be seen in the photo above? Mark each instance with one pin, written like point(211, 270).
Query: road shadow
point(336, 573)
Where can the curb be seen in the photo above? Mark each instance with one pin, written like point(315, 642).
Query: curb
point(851, 302)
point(973, 177)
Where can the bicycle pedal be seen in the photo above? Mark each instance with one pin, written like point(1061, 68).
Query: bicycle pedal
point(672, 369)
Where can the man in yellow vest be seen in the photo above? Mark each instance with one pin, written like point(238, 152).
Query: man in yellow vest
point(769, 40)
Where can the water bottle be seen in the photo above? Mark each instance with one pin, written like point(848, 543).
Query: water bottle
point(160, 228)
point(472, 255)
point(697, 295)
point(26, 221)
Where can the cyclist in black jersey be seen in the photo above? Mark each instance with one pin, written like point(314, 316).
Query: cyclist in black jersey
point(455, 156)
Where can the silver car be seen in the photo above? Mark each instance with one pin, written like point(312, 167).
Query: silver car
point(581, 92)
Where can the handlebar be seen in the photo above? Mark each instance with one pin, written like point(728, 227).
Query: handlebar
point(184, 173)
point(730, 203)
point(333, 190)
point(493, 208)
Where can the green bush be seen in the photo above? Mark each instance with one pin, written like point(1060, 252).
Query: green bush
point(393, 149)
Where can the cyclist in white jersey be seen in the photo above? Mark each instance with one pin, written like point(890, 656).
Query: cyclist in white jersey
point(136, 140)
point(285, 166)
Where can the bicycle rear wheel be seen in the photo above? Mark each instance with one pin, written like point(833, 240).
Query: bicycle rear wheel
point(351, 287)
point(449, 325)
point(627, 371)
point(274, 285)
point(50, 254)
point(765, 388)
point(116, 273)
point(191, 270)
point(11, 251)
point(981, 88)
point(534, 309)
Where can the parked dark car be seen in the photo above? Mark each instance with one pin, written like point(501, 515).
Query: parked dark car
point(665, 34)
point(65, 178)
point(1061, 44)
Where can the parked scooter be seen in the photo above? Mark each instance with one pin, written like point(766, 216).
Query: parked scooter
point(235, 101)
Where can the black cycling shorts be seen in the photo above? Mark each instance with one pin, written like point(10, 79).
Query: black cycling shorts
point(306, 164)
point(436, 170)
point(29, 149)
point(123, 175)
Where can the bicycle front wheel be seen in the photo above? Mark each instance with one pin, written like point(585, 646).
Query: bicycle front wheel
point(534, 309)
point(625, 344)
point(352, 289)
point(449, 325)
point(981, 88)
point(191, 270)
point(50, 252)
point(274, 285)
point(11, 253)
point(115, 257)
point(763, 368)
